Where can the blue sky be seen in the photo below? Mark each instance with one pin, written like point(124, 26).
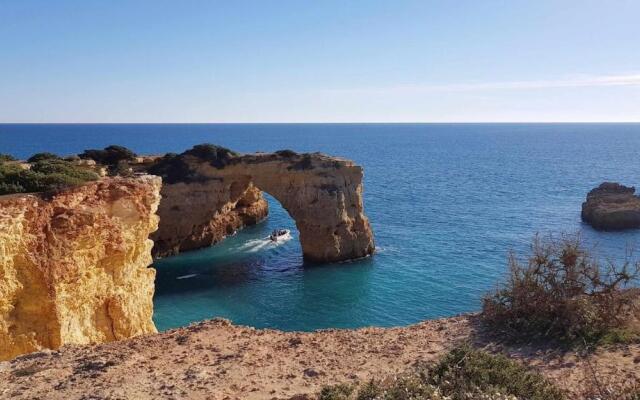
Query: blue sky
point(319, 61)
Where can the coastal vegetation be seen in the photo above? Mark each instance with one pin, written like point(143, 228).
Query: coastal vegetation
point(218, 156)
point(117, 159)
point(44, 175)
point(463, 373)
point(177, 168)
point(6, 157)
point(42, 157)
point(286, 153)
point(109, 156)
point(45, 171)
point(561, 296)
point(563, 293)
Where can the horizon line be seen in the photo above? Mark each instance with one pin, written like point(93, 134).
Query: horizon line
point(323, 123)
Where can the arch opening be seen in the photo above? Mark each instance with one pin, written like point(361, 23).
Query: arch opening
point(322, 194)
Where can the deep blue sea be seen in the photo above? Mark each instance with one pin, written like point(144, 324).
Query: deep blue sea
point(447, 202)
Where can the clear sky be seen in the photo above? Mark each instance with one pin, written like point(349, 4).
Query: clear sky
point(319, 61)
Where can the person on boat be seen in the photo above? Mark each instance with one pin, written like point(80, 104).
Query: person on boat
point(277, 233)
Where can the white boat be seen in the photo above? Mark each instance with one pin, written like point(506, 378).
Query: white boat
point(278, 234)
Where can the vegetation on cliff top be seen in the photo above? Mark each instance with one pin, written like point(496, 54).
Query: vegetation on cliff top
point(463, 373)
point(218, 156)
point(6, 157)
point(44, 175)
point(563, 293)
point(117, 159)
point(109, 156)
point(42, 157)
point(177, 167)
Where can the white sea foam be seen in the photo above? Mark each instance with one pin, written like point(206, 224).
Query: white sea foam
point(187, 276)
point(255, 245)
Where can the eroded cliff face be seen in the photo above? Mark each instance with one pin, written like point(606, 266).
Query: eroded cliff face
point(205, 199)
point(200, 214)
point(73, 267)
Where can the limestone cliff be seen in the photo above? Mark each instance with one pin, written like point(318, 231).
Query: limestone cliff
point(200, 214)
point(73, 266)
point(612, 206)
point(210, 191)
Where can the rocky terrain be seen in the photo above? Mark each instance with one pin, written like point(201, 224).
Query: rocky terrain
point(74, 260)
point(73, 266)
point(612, 206)
point(217, 360)
point(209, 192)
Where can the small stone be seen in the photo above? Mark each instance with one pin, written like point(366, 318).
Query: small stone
point(311, 373)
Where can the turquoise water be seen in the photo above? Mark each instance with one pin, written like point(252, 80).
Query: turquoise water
point(446, 202)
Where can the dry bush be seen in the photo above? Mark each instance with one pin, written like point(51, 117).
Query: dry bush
point(562, 292)
point(608, 387)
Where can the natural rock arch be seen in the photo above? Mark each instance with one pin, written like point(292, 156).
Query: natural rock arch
point(75, 263)
point(211, 197)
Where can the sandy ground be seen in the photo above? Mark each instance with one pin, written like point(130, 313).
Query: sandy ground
point(217, 360)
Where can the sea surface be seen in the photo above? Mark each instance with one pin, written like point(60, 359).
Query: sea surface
point(447, 202)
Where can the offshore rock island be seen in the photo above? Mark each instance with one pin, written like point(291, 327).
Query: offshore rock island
point(74, 261)
point(611, 207)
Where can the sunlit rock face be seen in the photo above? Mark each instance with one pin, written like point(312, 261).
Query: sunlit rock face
point(210, 192)
point(200, 214)
point(612, 206)
point(73, 266)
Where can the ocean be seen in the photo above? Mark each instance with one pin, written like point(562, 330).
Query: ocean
point(447, 203)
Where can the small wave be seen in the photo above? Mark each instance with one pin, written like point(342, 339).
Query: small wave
point(187, 276)
point(386, 249)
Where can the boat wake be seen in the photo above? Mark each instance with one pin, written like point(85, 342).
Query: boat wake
point(186, 276)
point(256, 245)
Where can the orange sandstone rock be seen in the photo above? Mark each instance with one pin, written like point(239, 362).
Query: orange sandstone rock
point(209, 199)
point(73, 267)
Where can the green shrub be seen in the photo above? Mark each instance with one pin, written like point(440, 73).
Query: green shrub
point(62, 167)
point(45, 175)
point(286, 153)
point(109, 156)
point(122, 168)
point(562, 293)
point(42, 157)
point(370, 391)
point(172, 168)
point(218, 156)
point(464, 373)
point(6, 157)
point(177, 167)
point(336, 392)
point(466, 370)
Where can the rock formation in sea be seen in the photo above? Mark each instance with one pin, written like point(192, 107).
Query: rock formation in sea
point(73, 265)
point(209, 192)
point(612, 206)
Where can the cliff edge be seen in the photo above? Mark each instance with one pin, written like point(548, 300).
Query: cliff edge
point(73, 265)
